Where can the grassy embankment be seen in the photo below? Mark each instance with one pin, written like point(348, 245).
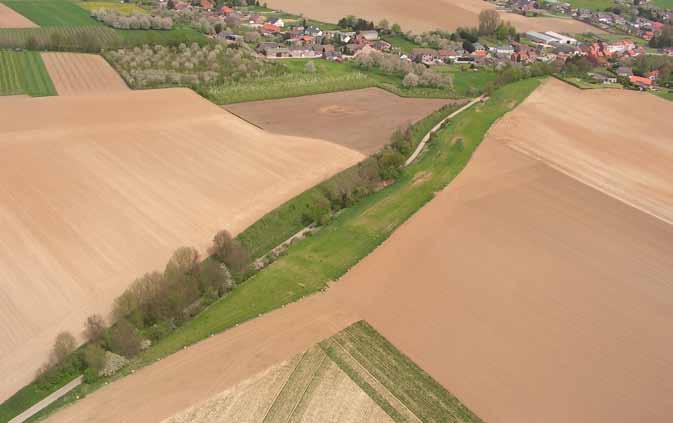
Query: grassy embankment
point(331, 77)
point(311, 264)
point(667, 95)
point(24, 73)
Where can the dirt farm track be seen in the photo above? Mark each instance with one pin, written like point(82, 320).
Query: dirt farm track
point(101, 189)
point(533, 298)
point(423, 16)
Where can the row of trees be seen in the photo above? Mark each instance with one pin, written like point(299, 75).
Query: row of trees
point(152, 66)
point(154, 305)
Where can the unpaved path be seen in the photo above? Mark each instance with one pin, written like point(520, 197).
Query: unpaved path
point(426, 138)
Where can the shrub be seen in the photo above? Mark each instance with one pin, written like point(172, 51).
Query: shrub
point(410, 80)
point(64, 345)
point(94, 357)
point(124, 340)
point(229, 251)
point(94, 328)
point(309, 67)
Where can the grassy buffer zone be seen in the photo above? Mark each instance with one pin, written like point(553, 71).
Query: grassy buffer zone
point(312, 264)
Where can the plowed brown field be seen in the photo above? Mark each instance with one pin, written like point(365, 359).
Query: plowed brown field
point(529, 295)
point(81, 74)
point(362, 120)
point(423, 16)
point(100, 189)
point(11, 19)
point(606, 139)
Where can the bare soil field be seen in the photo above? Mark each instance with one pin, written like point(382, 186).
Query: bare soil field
point(82, 74)
point(100, 189)
point(607, 140)
point(362, 120)
point(530, 296)
point(430, 15)
point(9, 18)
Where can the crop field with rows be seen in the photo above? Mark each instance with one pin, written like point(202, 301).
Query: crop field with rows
point(24, 73)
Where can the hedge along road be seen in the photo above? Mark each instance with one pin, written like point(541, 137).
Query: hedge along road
point(158, 391)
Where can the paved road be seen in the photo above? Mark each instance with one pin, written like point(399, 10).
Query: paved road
point(427, 136)
point(45, 402)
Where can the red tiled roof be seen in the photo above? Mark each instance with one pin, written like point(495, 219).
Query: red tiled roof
point(640, 80)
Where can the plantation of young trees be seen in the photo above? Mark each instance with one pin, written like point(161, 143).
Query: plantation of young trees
point(415, 74)
point(118, 20)
point(152, 66)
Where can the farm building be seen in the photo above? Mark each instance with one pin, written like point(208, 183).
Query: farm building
point(550, 37)
point(562, 39)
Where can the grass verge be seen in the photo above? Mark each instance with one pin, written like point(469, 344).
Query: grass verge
point(310, 265)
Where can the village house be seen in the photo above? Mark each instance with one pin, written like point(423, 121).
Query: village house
point(424, 55)
point(604, 79)
point(624, 71)
point(270, 29)
point(367, 36)
point(226, 10)
point(503, 50)
point(641, 82)
point(277, 22)
point(206, 5)
point(340, 36)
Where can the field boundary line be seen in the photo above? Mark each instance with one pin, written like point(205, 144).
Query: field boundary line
point(283, 387)
point(240, 117)
point(308, 385)
point(376, 379)
point(426, 138)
